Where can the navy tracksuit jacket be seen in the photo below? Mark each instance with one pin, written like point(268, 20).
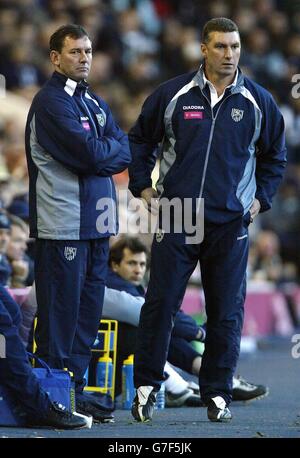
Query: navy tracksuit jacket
point(226, 155)
point(73, 147)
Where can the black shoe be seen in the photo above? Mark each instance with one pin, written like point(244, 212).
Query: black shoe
point(186, 398)
point(99, 416)
point(217, 410)
point(100, 400)
point(246, 391)
point(57, 417)
point(143, 403)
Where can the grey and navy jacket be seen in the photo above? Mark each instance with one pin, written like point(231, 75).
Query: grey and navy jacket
point(228, 154)
point(73, 148)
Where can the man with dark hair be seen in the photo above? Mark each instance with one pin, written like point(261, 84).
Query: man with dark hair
point(132, 244)
point(73, 148)
point(219, 24)
point(74, 31)
point(222, 151)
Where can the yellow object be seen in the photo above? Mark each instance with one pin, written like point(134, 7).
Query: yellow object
point(109, 330)
point(129, 360)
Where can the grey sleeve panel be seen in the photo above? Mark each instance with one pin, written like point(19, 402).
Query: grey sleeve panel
point(122, 306)
point(247, 186)
point(57, 195)
point(168, 145)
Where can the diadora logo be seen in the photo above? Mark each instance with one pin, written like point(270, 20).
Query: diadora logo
point(84, 118)
point(236, 114)
point(193, 107)
point(70, 253)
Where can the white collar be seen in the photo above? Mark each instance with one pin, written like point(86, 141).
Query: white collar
point(214, 98)
point(205, 80)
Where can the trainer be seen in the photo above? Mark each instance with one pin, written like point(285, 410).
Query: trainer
point(222, 140)
point(73, 148)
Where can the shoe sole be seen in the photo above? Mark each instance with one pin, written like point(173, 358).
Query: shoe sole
point(221, 420)
point(136, 416)
point(103, 420)
point(97, 420)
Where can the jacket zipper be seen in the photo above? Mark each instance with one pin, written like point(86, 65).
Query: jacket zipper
point(209, 144)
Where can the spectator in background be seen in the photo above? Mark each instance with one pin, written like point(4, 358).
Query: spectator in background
point(22, 265)
point(5, 267)
point(19, 207)
point(265, 258)
point(267, 265)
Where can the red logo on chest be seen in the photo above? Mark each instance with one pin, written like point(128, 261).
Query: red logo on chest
point(193, 115)
point(86, 125)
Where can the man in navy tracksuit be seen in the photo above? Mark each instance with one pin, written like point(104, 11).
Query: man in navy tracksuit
point(73, 148)
point(222, 140)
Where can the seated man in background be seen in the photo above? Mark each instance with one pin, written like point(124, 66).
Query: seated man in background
point(17, 376)
point(123, 300)
point(22, 266)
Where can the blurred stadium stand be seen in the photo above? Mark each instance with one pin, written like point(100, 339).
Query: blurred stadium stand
point(136, 45)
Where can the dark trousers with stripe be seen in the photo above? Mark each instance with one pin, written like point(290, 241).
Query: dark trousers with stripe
point(223, 258)
point(70, 280)
point(15, 370)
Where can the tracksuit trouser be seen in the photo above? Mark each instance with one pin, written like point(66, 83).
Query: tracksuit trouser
point(15, 370)
point(223, 258)
point(70, 279)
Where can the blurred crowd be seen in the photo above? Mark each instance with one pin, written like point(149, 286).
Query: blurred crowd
point(136, 45)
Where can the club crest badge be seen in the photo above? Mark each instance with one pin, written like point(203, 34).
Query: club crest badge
point(236, 114)
point(159, 235)
point(70, 253)
point(101, 119)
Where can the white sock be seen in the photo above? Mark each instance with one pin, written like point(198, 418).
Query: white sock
point(175, 383)
point(220, 402)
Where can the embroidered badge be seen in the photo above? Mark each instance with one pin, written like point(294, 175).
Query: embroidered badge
point(159, 235)
point(70, 253)
point(236, 114)
point(101, 119)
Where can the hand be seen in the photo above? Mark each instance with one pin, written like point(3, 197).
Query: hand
point(254, 210)
point(20, 268)
point(19, 273)
point(150, 200)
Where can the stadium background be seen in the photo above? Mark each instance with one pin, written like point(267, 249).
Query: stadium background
point(136, 45)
